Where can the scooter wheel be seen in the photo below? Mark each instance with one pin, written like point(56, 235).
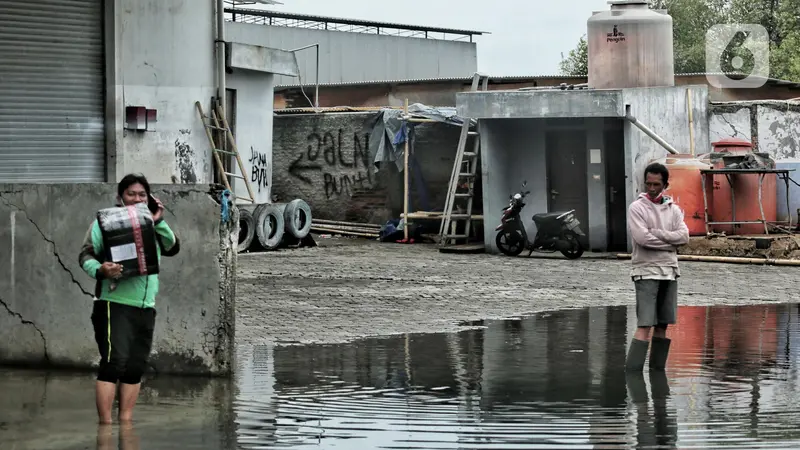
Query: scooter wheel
point(510, 242)
point(573, 249)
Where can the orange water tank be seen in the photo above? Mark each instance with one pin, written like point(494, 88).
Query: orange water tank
point(686, 188)
point(745, 192)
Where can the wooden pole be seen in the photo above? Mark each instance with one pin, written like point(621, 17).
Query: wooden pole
point(730, 259)
point(337, 222)
point(691, 120)
point(346, 232)
point(405, 177)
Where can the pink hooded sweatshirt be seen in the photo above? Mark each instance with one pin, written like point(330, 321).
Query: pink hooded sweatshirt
point(656, 230)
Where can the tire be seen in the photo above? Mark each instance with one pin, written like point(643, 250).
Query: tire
point(247, 229)
point(504, 246)
point(297, 218)
point(576, 249)
point(269, 225)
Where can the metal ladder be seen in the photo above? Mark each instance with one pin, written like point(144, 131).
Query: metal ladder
point(465, 168)
point(217, 122)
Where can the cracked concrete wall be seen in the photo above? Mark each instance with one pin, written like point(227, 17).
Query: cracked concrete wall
point(46, 298)
point(772, 126)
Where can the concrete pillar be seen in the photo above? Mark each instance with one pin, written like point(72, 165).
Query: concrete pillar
point(596, 185)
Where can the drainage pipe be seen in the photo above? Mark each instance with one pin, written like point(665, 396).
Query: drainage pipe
point(220, 41)
point(648, 131)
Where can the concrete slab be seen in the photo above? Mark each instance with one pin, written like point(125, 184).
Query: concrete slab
point(262, 59)
point(543, 104)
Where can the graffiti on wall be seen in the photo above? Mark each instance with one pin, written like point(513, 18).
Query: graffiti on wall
point(184, 155)
point(259, 169)
point(341, 165)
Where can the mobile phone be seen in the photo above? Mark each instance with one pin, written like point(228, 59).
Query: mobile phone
point(152, 205)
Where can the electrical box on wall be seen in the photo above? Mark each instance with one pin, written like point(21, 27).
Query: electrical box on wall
point(139, 118)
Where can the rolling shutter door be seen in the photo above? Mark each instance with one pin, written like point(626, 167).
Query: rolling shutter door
point(52, 77)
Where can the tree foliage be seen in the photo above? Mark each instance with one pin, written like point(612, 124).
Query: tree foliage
point(693, 18)
point(577, 62)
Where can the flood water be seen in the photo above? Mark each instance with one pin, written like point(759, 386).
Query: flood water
point(553, 380)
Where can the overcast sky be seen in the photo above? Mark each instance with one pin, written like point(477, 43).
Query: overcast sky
point(527, 36)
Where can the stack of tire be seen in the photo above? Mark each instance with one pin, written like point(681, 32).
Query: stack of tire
point(270, 225)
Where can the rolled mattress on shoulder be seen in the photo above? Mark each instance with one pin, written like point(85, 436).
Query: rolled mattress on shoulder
point(129, 239)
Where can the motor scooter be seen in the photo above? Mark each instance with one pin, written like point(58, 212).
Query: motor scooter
point(556, 231)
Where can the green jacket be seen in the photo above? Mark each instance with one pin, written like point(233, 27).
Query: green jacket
point(135, 291)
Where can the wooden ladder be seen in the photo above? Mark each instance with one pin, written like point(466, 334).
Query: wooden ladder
point(465, 168)
point(217, 122)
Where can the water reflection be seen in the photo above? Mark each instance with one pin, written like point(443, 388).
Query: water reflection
point(45, 411)
point(553, 380)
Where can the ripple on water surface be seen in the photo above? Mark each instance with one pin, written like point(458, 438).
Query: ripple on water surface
point(554, 380)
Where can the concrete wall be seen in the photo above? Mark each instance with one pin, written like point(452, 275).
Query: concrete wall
point(253, 118)
point(46, 298)
point(161, 56)
point(443, 92)
point(772, 126)
point(324, 159)
point(347, 57)
point(512, 127)
point(665, 111)
point(513, 152)
point(786, 210)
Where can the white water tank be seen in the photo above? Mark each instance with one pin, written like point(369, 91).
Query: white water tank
point(630, 46)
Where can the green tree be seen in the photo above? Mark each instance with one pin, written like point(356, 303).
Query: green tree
point(577, 62)
point(785, 51)
point(693, 18)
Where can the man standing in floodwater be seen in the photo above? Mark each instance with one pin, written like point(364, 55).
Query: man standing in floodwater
point(124, 317)
point(657, 228)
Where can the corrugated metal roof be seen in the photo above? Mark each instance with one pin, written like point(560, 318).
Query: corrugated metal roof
point(334, 109)
point(499, 79)
point(342, 20)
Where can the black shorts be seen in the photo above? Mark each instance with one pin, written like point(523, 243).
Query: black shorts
point(124, 336)
point(656, 302)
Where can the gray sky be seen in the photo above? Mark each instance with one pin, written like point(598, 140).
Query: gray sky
point(528, 36)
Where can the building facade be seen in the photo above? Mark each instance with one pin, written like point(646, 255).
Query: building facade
point(442, 91)
point(79, 75)
point(357, 50)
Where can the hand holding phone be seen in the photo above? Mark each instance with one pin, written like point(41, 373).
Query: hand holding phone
point(156, 207)
point(152, 203)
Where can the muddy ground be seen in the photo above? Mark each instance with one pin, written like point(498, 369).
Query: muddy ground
point(346, 289)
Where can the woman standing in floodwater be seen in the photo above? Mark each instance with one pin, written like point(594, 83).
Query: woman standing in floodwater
point(124, 316)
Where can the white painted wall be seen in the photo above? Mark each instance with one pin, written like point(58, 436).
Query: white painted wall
point(779, 131)
point(665, 112)
point(512, 151)
point(163, 58)
point(253, 131)
point(770, 124)
point(346, 56)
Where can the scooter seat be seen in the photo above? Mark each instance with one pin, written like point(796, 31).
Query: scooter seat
point(546, 216)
